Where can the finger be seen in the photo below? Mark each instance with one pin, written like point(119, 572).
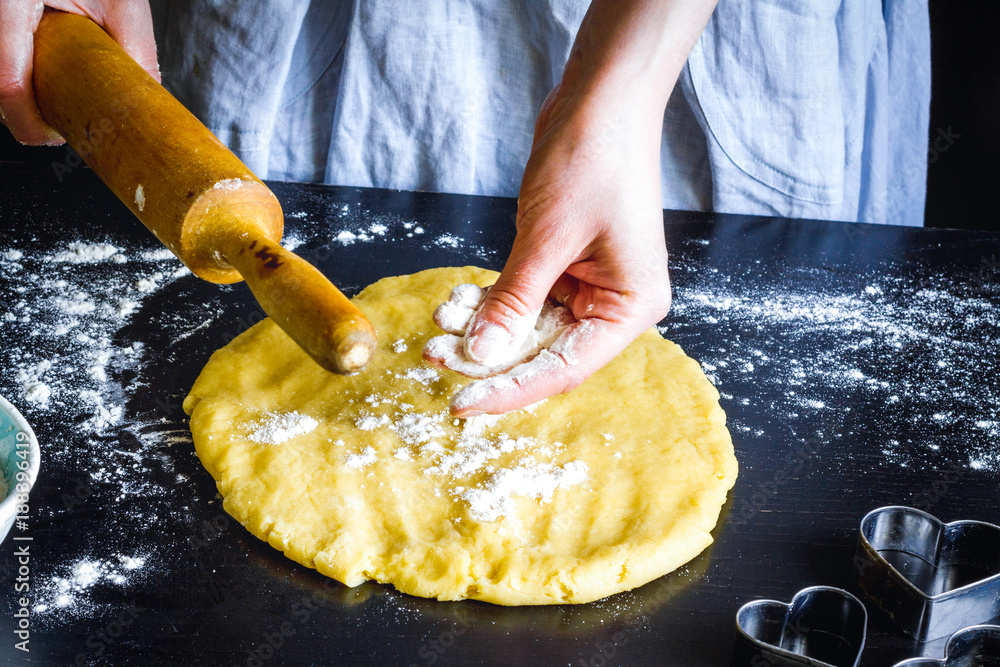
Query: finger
point(18, 109)
point(130, 23)
point(554, 318)
point(511, 307)
point(454, 314)
point(564, 287)
point(581, 350)
point(448, 352)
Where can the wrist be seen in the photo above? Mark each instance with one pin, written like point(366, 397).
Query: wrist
point(609, 116)
point(630, 54)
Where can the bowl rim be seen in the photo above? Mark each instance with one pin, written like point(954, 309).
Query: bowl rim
point(34, 456)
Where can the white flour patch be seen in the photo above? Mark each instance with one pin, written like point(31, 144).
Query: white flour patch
point(423, 375)
point(345, 237)
point(88, 253)
point(478, 463)
point(519, 350)
point(449, 241)
point(36, 392)
point(276, 428)
point(158, 255)
point(364, 226)
point(495, 498)
point(68, 594)
point(365, 458)
point(146, 284)
point(230, 184)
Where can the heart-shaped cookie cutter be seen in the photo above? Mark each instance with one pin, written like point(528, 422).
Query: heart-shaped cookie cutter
point(976, 646)
point(931, 578)
point(822, 626)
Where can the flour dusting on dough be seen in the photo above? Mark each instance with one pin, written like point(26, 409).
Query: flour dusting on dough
point(471, 452)
point(277, 427)
point(496, 497)
point(365, 458)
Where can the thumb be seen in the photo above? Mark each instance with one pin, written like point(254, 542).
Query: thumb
point(510, 308)
point(130, 23)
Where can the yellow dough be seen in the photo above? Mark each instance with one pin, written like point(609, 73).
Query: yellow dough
point(367, 477)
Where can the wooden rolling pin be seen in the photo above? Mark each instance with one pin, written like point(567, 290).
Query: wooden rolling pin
point(197, 197)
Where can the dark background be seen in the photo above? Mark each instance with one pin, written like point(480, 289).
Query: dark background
point(965, 100)
point(216, 595)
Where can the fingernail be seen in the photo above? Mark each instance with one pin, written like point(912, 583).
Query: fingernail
point(477, 397)
point(458, 412)
point(487, 343)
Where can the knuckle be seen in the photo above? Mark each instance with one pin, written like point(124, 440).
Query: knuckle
point(506, 304)
point(13, 88)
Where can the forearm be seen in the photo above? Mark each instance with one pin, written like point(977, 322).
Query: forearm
point(633, 51)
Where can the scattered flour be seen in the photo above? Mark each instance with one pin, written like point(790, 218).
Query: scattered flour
point(84, 253)
point(158, 255)
point(291, 242)
point(911, 351)
point(495, 498)
point(346, 238)
point(277, 428)
point(148, 283)
point(382, 227)
point(423, 375)
point(482, 466)
point(73, 363)
point(67, 593)
point(449, 241)
point(365, 458)
point(37, 392)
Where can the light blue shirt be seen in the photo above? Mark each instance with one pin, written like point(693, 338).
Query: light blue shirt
point(810, 109)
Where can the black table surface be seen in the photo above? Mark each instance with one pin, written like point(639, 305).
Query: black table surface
point(857, 365)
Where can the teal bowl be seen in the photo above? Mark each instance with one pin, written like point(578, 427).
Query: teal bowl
point(19, 461)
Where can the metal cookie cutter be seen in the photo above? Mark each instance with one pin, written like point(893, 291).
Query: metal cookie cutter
point(931, 578)
point(977, 646)
point(821, 627)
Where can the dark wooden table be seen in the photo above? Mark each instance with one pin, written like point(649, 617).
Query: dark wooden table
point(857, 364)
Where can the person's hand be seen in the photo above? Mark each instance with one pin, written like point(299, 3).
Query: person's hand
point(589, 223)
point(127, 21)
point(590, 234)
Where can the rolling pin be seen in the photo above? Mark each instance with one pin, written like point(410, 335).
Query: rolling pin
point(198, 198)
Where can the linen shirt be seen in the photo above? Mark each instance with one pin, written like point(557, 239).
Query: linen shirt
point(797, 108)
